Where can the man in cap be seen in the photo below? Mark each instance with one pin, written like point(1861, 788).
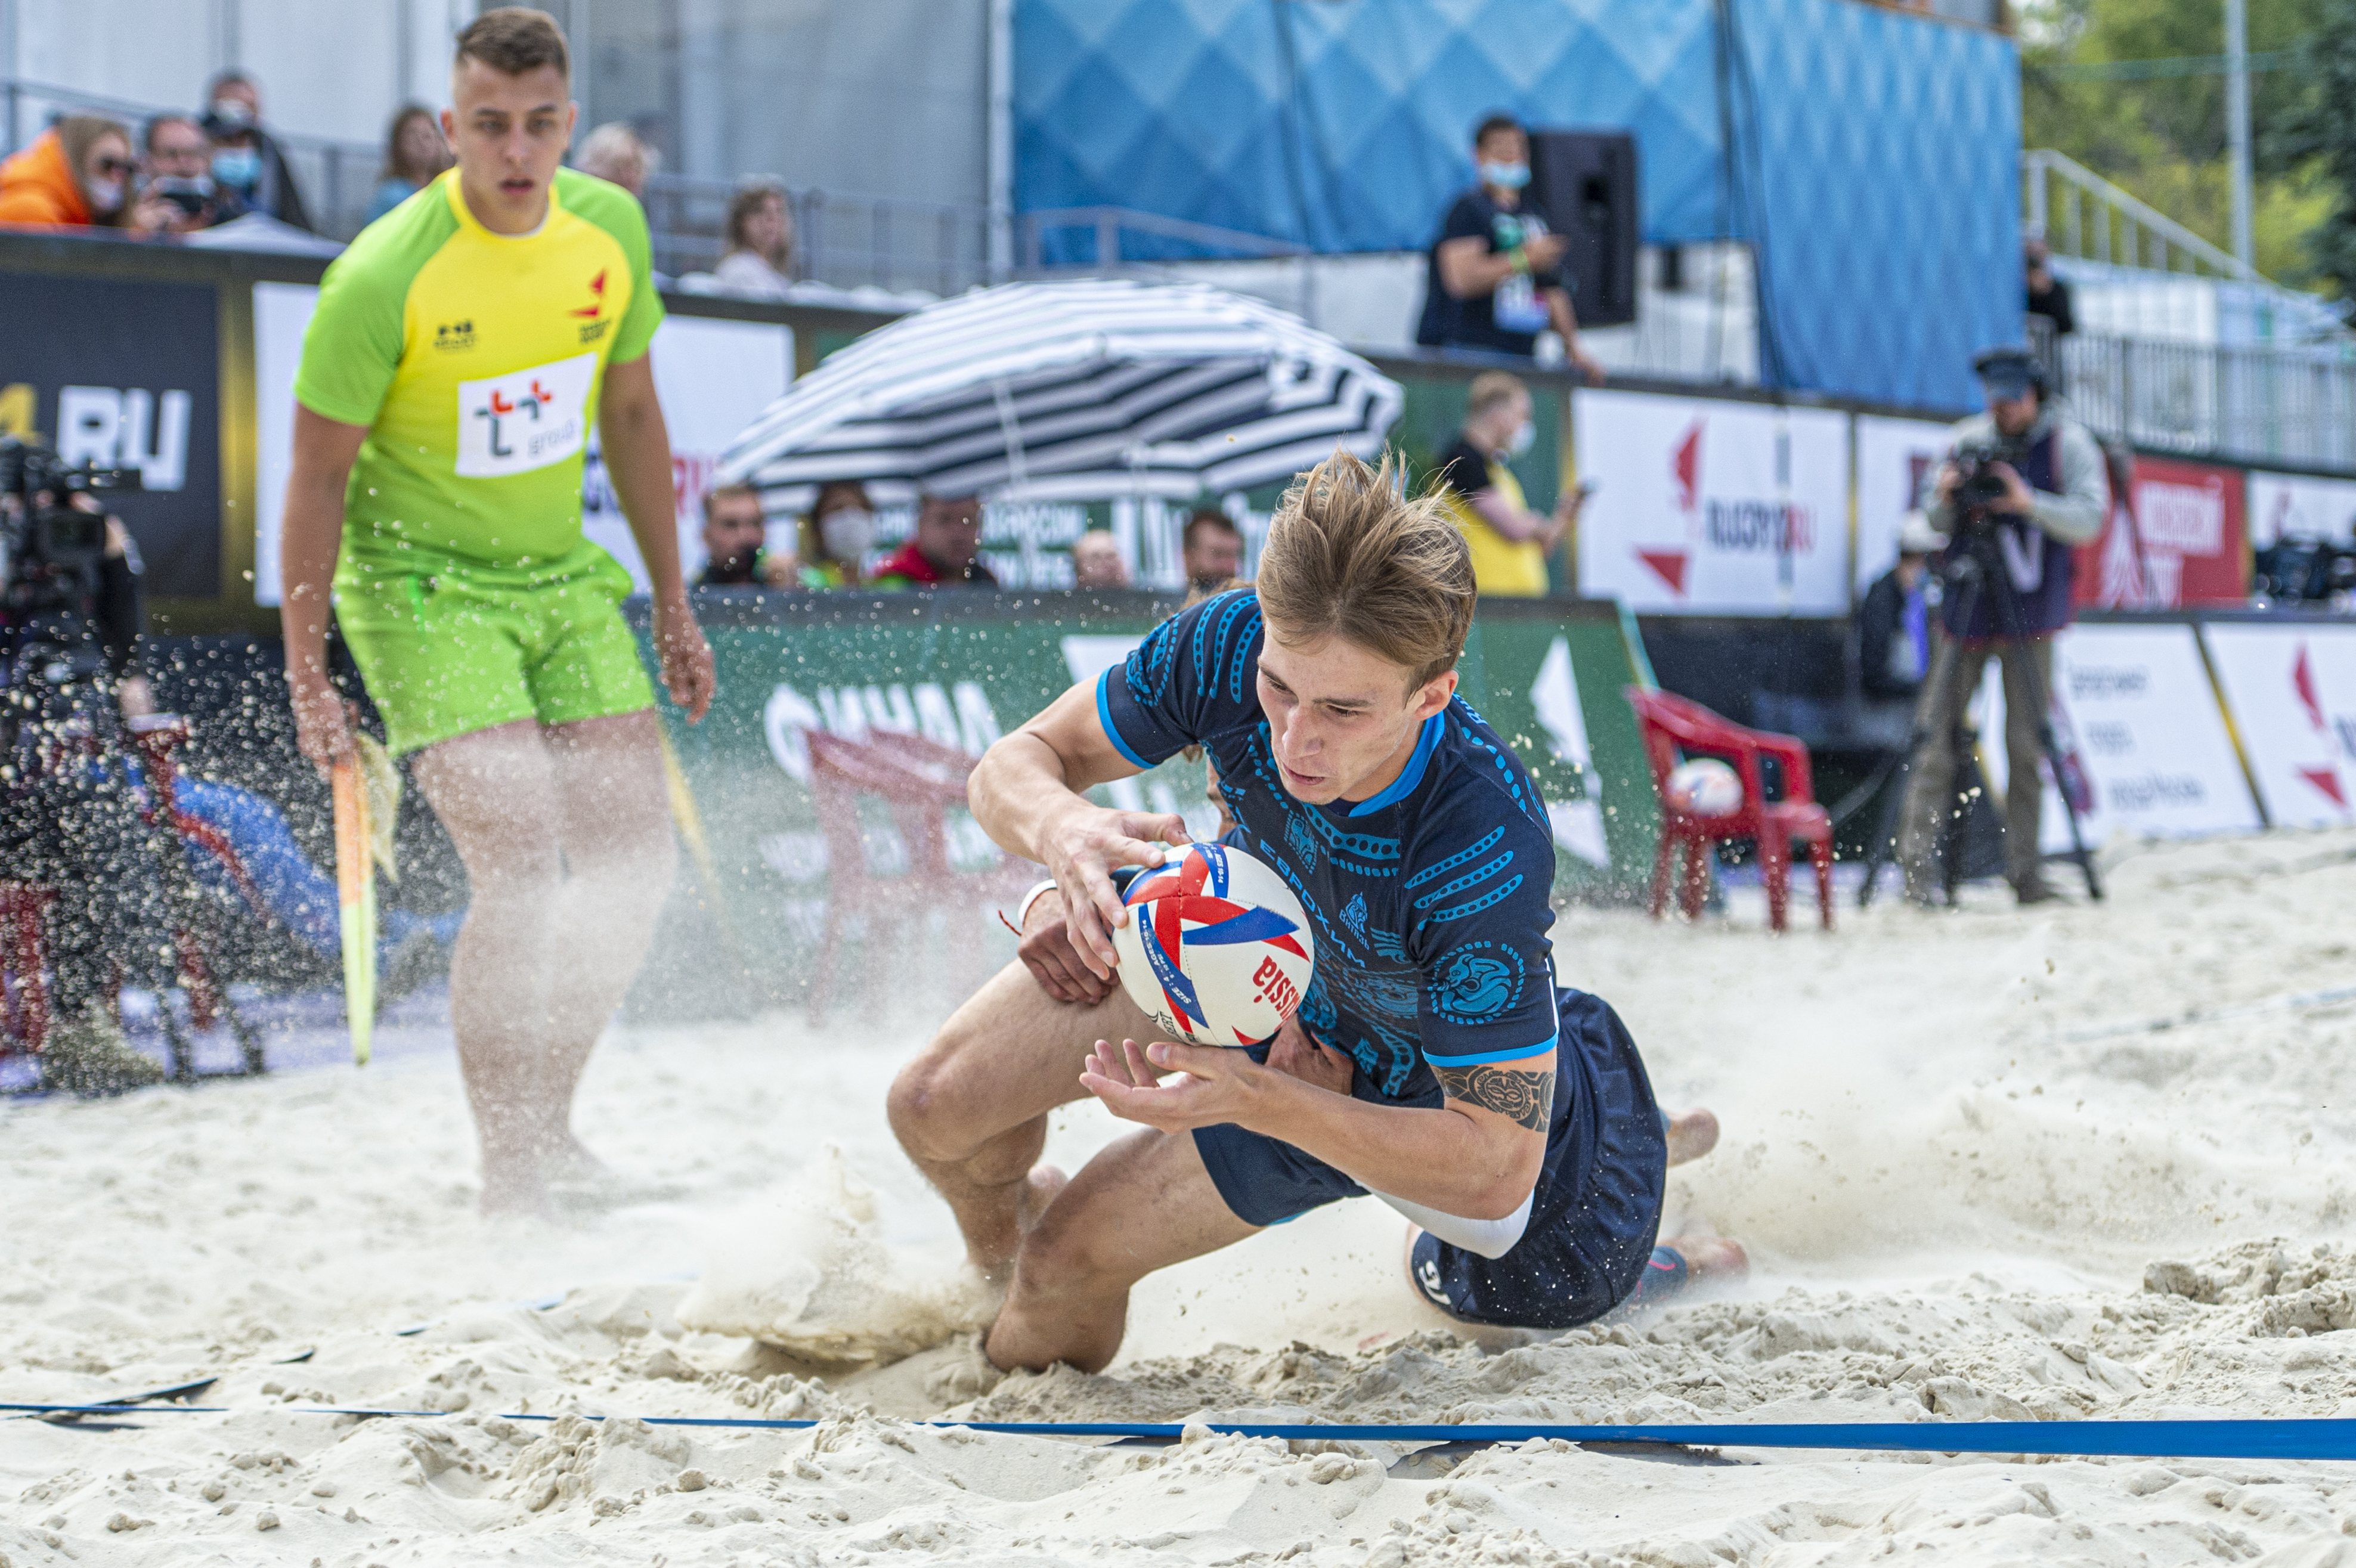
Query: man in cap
point(2023, 486)
point(1893, 625)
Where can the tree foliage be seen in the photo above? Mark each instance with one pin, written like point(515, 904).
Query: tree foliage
point(2319, 133)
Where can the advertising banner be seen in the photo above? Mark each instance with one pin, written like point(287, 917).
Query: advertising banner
point(2292, 688)
point(963, 669)
point(125, 373)
point(2301, 506)
point(2177, 538)
point(1708, 508)
point(2136, 704)
point(1894, 459)
point(712, 376)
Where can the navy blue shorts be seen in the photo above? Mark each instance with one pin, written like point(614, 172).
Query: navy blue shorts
point(1598, 1205)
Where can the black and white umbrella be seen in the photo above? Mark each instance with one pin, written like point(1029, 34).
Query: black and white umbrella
point(1068, 391)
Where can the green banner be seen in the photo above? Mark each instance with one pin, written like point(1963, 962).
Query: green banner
point(963, 669)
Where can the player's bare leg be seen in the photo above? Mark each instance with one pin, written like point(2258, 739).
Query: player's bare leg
point(1140, 1205)
point(971, 1110)
point(526, 1002)
point(1691, 1135)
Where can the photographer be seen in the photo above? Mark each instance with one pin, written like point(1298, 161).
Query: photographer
point(69, 624)
point(2022, 487)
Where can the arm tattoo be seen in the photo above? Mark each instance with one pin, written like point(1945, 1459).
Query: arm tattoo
point(1526, 1097)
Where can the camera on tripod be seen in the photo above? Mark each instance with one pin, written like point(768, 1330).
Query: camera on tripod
point(51, 550)
point(1978, 486)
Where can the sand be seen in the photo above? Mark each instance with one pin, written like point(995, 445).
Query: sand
point(1975, 1183)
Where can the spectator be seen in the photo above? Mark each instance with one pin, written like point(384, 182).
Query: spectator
point(1096, 561)
point(76, 175)
point(2038, 489)
point(736, 536)
point(945, 551)
point(760, 242)
point(181, 195)
point(414, 152)
point(1510, 543)
point(1211, 548)
point(1495, 279)
point(247, 158)
point(837, 535)
point(1894, 626)
point(2049, 296)
point(614, 152)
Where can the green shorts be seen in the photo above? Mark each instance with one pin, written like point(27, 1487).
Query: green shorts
point(455, 647)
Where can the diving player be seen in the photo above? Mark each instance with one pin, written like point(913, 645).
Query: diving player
point(461, 348)
point(1437, 1064)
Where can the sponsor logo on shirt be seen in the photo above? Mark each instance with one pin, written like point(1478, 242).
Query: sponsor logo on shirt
point(455, 333)
point(596, 305)
point(525, 420)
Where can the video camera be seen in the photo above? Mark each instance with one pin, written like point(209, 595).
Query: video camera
point(1977, 484)
point(51, 550)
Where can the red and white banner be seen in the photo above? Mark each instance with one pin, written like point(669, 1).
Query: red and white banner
point(1893, 457)
point(2137, 708)
point(2292, 688)
point(2302, 507)
point(1710, 507)
point(2178, 537)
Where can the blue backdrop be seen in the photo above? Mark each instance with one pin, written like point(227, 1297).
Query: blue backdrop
point(1875, 162)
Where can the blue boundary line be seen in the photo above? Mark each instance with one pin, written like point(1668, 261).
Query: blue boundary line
point(2295, 1437)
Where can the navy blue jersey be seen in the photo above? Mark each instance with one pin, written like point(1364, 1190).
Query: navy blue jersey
point(1430, 901)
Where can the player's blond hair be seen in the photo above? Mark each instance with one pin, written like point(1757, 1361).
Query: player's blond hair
point(1351, 555)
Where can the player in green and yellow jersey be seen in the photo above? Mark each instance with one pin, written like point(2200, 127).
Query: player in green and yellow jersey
point(460, 349)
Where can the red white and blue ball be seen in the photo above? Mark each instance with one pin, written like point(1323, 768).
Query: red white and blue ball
point(1704, 787)
point(1217, 950)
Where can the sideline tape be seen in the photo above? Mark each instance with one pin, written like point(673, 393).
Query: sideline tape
point(2295, 1437)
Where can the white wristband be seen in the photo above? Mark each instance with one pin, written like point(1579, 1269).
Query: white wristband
point(1023, 910)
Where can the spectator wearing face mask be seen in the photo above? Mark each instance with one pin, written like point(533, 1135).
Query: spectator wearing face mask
point(181, 196)
point(1495, 279)
point(760, 244)
point(76, 175)
point(247, 160)
point(1509, 542)
point(837, 535)
point(736, 536)
point(414, 152)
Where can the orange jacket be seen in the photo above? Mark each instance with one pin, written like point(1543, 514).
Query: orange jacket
point(37, 188)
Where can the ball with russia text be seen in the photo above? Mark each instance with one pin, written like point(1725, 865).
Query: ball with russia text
point(1217, 950)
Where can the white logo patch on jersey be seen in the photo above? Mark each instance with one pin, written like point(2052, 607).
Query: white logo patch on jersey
point(528, 420)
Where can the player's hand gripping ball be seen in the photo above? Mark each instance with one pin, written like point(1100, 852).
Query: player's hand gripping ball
point(1217, 950)
point(1704, 787)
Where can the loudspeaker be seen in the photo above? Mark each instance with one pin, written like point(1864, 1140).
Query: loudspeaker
point(1585, 183)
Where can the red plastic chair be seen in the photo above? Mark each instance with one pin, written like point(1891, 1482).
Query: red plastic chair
point(1668, 724)
point(23, 956)
point(921, 780)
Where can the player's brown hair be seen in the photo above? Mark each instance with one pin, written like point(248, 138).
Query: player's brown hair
point(1350, 554)
point(513, 39)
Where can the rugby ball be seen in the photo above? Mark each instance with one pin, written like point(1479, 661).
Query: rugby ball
point(1217, 950)
point(1704, 787)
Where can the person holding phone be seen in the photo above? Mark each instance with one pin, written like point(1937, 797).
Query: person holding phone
point(1510, 543)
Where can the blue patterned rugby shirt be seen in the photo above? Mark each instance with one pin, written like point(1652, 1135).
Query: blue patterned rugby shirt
point(1430, 901)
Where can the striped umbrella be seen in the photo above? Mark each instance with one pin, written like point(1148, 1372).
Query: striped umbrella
point(1068, 391)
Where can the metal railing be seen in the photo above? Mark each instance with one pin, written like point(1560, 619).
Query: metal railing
point(847, 242)
point(337, 180)
point(1181, 238)
point(2292, 403)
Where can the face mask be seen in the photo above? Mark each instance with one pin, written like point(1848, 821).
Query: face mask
point(1525, 436)
point(240, 166)
point(1506, 177)
point(167, 186)
point(105, 196)
point(847, 533)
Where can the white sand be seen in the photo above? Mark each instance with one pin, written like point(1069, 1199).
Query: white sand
point(1953, 1210)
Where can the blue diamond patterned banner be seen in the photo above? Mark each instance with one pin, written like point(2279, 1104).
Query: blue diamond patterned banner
point(1875, 164)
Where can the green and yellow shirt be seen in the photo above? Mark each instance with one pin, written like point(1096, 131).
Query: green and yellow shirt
point(474, 359)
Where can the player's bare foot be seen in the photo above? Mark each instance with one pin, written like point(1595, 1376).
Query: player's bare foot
point(568, 1160)
point(1692, 1135)
point(513, 1187)
point(1709, 1257)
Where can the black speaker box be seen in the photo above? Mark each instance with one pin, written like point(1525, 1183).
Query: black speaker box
point(1585, 183)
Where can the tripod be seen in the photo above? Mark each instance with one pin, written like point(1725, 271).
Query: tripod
point(1967, 574)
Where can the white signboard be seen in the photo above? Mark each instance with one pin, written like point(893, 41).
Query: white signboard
point(1713, 507)
point(1893, 458)
point(2293, 692)
point(712, 376)
point(2302, 507)
point(2146, 723)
